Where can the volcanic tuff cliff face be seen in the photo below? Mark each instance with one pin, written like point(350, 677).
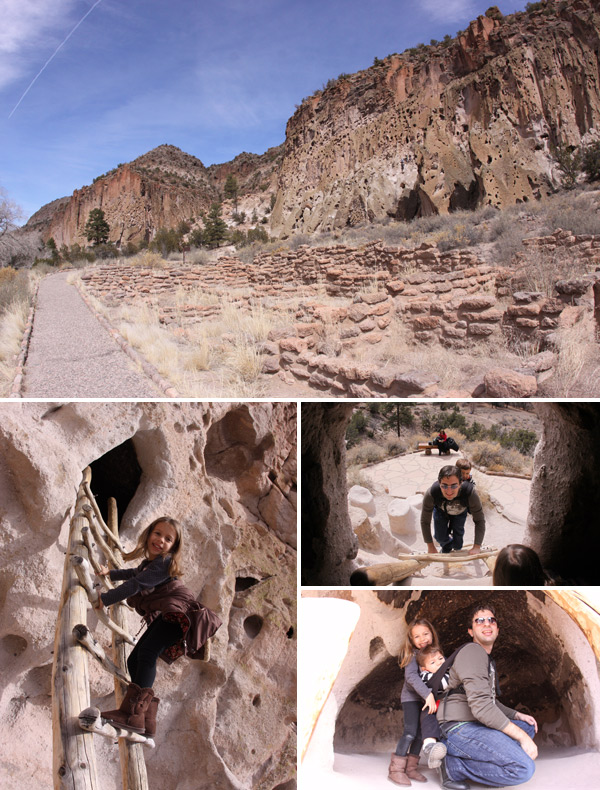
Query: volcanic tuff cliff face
point(435, 129)
point(443, 128)
point(156, 190)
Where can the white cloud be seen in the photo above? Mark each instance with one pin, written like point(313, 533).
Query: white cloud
point(28, 26)
point(451, 10)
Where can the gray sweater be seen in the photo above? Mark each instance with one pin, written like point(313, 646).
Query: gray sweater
point(478, 701)
point(146, 576)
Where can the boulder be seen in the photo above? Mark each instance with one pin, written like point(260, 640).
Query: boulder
point(504, 383)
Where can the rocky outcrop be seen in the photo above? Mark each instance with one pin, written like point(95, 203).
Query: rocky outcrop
point(157, 190)
point(442, 128)
point(227, 472)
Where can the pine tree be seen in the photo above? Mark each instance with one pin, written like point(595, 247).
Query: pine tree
point(215, 228)
point(96, 227)
point(231, 189)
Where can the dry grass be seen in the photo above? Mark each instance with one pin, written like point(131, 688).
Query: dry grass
point(155, 345)
point(147, 260)
point(12, 326)
point(543, 268)
point(577, 373)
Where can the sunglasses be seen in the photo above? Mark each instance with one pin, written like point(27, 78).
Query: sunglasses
point(451, 487)
point(484, 620)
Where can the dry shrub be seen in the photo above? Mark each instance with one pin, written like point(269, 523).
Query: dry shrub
point(147, 259)
point(367, 452)
point(357, 477)
point(12, 326)
point(14, 287)
point(394, 446)
point(498, 459)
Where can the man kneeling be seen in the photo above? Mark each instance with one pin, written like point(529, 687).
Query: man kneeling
point(486, 741)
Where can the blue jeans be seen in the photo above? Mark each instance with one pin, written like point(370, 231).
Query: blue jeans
point(488, 756)
point(449, 531)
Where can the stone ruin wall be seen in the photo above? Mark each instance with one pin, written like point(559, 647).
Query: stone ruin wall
point(453, 298)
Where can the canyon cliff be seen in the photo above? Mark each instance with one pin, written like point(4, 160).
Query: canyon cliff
point(469, 121)
point(445, 127)
point(157, 190)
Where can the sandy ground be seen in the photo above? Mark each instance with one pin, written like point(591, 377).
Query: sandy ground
point(412, 474)
point(556, 769)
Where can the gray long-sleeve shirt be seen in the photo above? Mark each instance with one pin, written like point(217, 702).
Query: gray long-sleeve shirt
point(146, 576)
point(478, 702)
point(474, 504)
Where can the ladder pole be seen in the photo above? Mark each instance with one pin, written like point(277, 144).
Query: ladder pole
point(133, 765)
point(74, 759)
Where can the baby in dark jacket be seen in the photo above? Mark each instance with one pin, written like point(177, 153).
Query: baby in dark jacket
point(429, 660)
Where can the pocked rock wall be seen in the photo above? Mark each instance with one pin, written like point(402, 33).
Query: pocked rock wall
point(227, 472)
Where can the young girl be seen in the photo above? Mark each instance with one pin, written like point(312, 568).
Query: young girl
point(404, 762)
point(177, 623)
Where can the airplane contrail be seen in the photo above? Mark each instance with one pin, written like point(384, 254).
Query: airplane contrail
point(58, 48)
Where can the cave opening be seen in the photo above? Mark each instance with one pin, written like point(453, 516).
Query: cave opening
point(116, 474)
point(540, 655)
point(564, 498)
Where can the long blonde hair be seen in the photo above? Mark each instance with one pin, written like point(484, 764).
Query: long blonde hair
point(141, 548)
point(408, 649)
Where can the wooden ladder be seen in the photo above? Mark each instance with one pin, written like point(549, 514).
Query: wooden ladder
point(73, 720)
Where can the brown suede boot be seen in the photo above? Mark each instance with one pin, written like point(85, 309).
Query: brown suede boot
point(411, 768)
point(151, 717)
point(133, 709)
point(397, 771)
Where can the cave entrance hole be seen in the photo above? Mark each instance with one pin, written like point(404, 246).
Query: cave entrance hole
point(116, 474)
point(540, 656)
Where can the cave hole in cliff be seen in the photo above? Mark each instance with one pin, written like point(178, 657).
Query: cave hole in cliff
point(116, 474)
point(467, 199)
point(540, 656)
point(253, 625)
point(244, 583)
point(13, 644)
point(563, 521)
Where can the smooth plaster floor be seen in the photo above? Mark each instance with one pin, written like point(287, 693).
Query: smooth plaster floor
point(556, 769)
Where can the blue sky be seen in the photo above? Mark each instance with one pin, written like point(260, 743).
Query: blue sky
point(116, 78)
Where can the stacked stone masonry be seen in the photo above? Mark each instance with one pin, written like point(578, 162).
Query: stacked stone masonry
point(452, 298)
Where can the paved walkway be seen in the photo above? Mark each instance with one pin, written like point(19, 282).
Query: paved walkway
point(407, 475)
point(72, 356)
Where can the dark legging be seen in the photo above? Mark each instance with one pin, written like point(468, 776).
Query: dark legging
point(142, 660)
point(410, 742)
